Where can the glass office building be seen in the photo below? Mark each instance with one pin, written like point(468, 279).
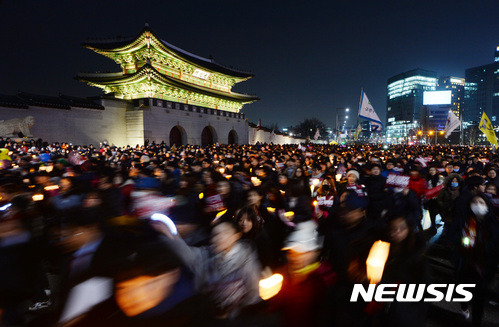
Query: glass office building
point(481, 92)
point(456, 85)
point(405, 102)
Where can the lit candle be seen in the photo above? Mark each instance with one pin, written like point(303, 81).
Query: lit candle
point(220, 214)
point(256, 181)
point(37, 197)
point(269, 287)
point(376, 260)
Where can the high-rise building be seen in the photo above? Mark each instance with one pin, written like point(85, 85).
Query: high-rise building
point(405, 101)
point(456, 85)
point(481, 92)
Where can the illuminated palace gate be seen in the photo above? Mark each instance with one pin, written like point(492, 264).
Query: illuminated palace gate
point(154, 71)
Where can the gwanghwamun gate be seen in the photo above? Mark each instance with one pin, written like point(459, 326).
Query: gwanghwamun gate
point(162, 93)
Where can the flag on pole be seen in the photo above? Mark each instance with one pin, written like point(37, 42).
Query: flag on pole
point(366, 111)
point(259, 127)
point(317, 134)
point(451, 124)
point(486, 127)
point(357, 132)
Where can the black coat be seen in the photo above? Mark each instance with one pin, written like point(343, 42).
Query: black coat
point(406, 264)
point(375, 186)
point(405, 205)
point(19, 264)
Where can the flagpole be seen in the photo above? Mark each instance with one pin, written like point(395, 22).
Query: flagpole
point(461, 139)
point(358, 111)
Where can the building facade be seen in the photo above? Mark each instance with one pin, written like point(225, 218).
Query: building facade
point(481, 93)
point(405, 102)
point(456, 85)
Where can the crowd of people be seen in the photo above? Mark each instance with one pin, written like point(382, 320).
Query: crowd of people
point(186, 236)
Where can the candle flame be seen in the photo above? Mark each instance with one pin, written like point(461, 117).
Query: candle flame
point(269, 287)
point(376, 260)
point(37, 197)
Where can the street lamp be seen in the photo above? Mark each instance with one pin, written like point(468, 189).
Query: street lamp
point(337, 121)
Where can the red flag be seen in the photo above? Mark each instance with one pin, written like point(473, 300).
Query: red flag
point(433, 192)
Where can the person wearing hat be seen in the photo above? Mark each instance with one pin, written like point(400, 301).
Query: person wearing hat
point(352, 184)
point(306, 279)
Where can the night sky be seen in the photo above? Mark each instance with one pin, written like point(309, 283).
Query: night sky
point(308, 57)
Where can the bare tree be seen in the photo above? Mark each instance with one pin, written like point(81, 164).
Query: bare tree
point(308, 127)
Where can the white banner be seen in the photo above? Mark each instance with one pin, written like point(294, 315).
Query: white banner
point(366, 110)
point(451, 124)
point(317, 134)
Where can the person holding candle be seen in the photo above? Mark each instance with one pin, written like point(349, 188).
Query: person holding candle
point(306, 279)
point(475, 235)
point(406, 264)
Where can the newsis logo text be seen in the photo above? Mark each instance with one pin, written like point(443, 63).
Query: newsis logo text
point(413, 292)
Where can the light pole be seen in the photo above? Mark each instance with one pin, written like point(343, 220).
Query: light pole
point(441, 133)
point(430, 133)
point(337, 115)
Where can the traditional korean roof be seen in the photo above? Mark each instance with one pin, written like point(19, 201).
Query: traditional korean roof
point(150, 73)
point(81, 102)
point(126, 44)
point(12, 101)
point(44, 101)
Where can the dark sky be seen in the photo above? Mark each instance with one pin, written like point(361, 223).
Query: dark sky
point(309, 57)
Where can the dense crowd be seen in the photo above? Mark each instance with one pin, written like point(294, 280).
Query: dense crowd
point(186, 236)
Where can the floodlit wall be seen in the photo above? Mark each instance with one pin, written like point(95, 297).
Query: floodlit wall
point(262, 136)
point(120, 123)
point(75, 125)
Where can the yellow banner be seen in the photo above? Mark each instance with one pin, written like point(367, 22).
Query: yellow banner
point(357, 132)
point(486, 127)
